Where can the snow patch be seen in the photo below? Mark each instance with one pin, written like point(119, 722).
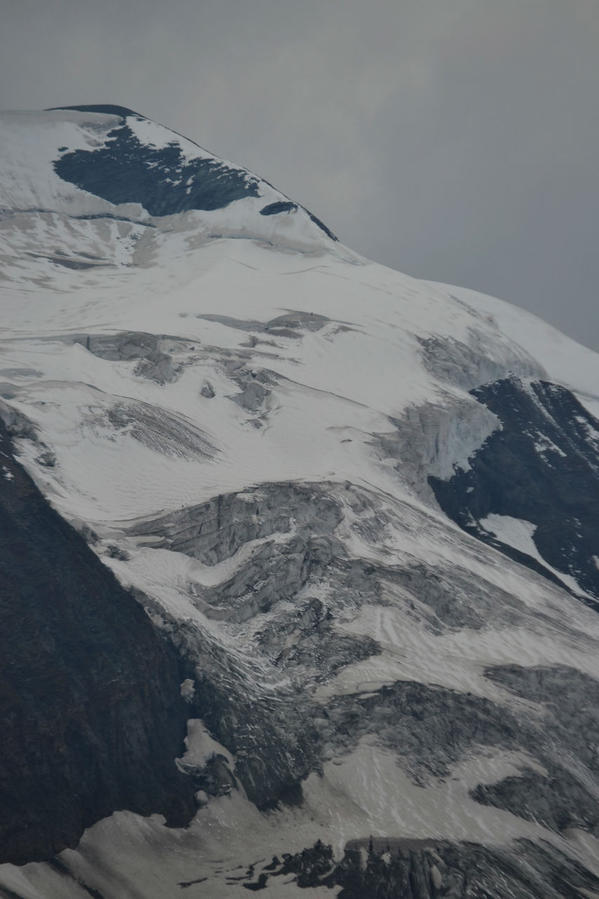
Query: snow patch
point(200, 746)
point(519, 534)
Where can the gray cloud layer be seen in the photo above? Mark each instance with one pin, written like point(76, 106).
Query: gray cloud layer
point(453, 139)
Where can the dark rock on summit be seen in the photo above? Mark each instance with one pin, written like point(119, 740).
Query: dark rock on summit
point(161, 180)
point(103, 108)
point(280, 206)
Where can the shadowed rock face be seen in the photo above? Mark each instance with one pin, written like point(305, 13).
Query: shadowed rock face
point(542, 466)
point(91, 713)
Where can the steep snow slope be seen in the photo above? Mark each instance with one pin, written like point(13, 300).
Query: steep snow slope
point(263, 434)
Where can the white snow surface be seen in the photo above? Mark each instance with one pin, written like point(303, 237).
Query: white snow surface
point(332, 391)
point(520, 535)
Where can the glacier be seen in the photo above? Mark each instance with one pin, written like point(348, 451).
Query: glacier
point(359, 511)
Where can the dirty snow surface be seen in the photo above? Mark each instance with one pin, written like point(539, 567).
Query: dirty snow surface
point(242, 416)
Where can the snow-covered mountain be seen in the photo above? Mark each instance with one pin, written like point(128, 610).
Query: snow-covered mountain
point(359, 510)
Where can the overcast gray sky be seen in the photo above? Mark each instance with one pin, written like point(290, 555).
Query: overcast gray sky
point(456, 140)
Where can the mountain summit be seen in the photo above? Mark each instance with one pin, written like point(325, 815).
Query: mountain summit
point(92, 160)
point(298, 555)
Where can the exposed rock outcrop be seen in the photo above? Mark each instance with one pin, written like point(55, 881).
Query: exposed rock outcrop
point(388, 868)
point(541, 467)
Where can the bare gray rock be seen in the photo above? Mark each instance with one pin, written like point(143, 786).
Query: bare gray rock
point(215, 530)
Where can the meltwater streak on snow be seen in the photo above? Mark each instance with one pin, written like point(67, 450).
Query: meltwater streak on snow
point(164, 361)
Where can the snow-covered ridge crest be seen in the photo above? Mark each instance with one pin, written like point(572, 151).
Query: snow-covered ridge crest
point(98, 164)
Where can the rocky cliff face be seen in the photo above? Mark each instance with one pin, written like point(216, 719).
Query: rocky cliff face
point(541, 468)
point(92, 716)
